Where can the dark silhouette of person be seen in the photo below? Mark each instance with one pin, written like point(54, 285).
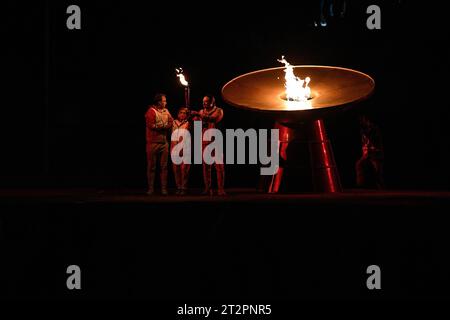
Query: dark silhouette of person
point(369, 168)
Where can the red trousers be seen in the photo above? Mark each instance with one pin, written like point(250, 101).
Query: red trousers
point(207, 171)
point(181, 173)
point(157, 152)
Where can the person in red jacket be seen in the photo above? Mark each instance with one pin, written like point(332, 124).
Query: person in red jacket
point(180, 171)
point(158, 124)
point(210, 116)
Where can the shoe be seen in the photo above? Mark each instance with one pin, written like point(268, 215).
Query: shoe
point(221, 193)
point(150, 192)
point(164, 192)
point(182, 193)
point(207, 192)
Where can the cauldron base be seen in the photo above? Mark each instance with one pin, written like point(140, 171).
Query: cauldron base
point(322, 165)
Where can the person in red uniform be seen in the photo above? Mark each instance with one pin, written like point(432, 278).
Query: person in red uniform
point(210, 116)
point(158, 124)
point(180, 171)
point(285, 136)
point(369, 168)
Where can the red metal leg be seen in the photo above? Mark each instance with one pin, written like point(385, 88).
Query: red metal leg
point(325, 174)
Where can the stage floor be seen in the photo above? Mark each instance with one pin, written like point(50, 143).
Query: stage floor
point(98, 196)
point(244, 246)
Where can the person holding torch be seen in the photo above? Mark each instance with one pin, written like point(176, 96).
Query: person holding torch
point(180, 128)
point(210, 116)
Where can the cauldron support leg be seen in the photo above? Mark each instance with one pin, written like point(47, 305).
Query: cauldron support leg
point(325, 174)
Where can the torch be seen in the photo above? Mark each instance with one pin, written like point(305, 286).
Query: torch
point(185, 84)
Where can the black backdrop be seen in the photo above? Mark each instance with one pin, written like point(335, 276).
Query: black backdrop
point(74, 101)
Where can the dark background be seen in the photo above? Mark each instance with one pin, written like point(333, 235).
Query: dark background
point(73, 105)
point(74, 101)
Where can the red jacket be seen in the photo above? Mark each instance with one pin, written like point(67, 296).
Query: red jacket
point(158, 124)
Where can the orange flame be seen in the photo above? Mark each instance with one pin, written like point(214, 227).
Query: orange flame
point(297, 90)
point(180, 75)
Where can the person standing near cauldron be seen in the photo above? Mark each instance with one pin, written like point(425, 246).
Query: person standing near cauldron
point(369, 168)
point(158, 124)
point(210, 116)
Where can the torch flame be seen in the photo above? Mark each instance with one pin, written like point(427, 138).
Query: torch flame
point(182, 78)
point(297, 90)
